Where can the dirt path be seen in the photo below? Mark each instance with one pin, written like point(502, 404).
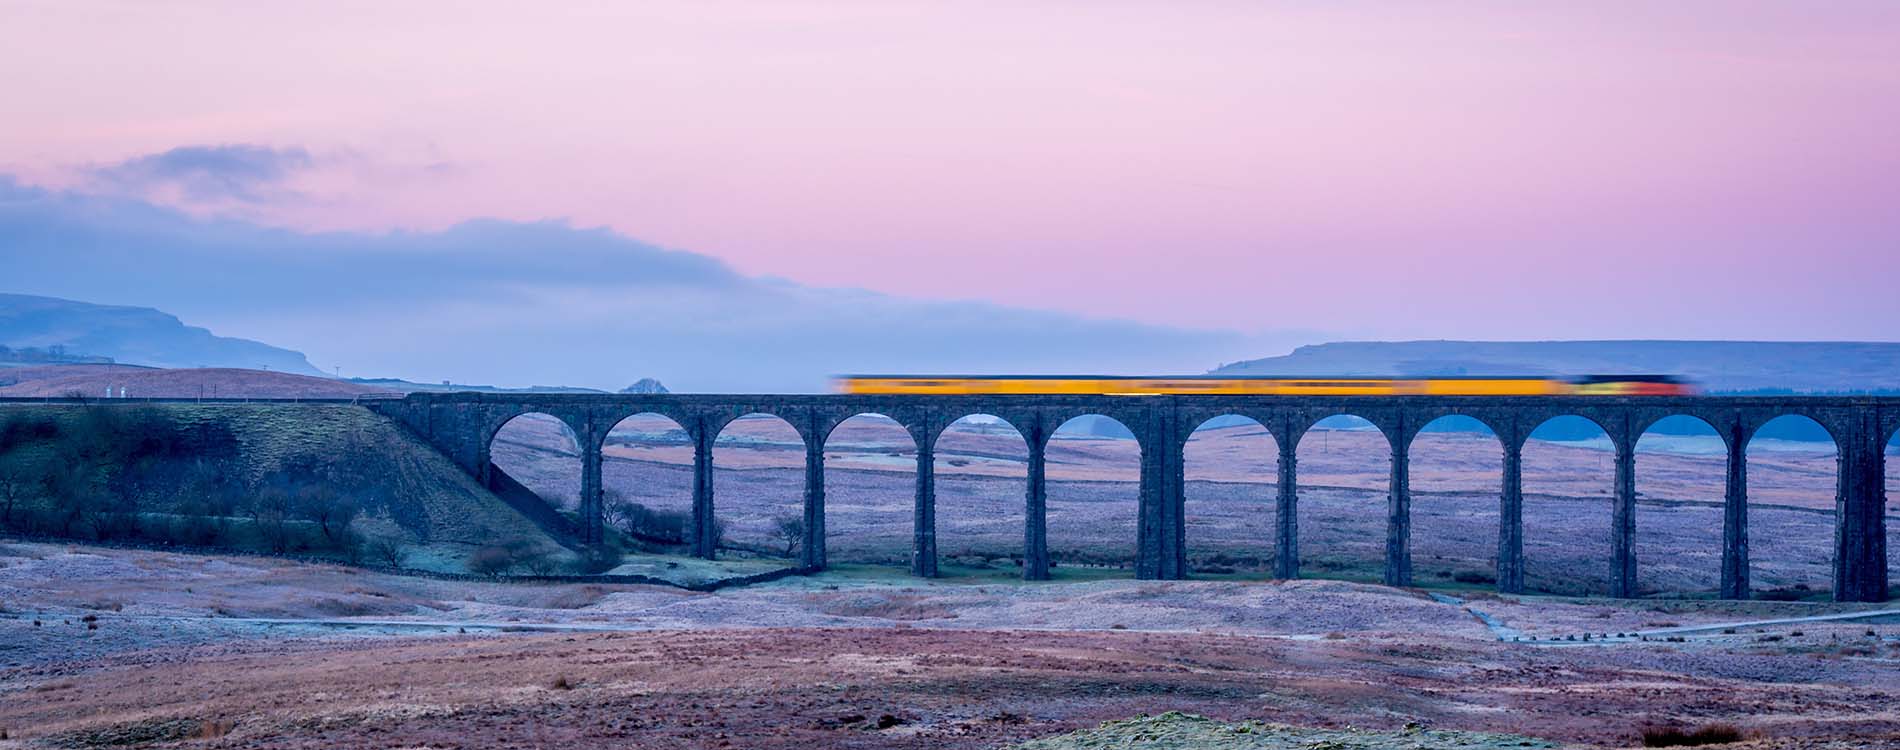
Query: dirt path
point(1505, 632)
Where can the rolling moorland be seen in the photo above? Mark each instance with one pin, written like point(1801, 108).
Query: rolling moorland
point(109, 647)
point(104, 648)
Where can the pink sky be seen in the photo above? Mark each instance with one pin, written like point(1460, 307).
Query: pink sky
point(1462, 170)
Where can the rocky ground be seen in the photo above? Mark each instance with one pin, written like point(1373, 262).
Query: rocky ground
point(108, 648)
point(1177, 730)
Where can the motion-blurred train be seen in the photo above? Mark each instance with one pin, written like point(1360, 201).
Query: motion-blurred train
point(1117, 385)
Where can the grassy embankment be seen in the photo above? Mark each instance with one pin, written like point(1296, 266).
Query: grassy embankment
point(326, 480)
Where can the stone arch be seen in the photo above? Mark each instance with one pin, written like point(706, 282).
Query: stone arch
point(538, 453)
point(802, 421)
point(1308, 422)
point(494, 419)
point(980, 462)
point(1192, 419)
point(1681, 469)
point(1229, 497)
point(611, 418)
point(1645, 422)
point(870, 487)
point(1802, 424)
point(1456, 477)
point(647, 481)
point(758, 477)
point(1569, 466)
point(1793, 480)
point(1094, 487)
point(1345, 463)
point(1132, 421)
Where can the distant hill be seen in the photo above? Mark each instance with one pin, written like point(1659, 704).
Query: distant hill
point(410, 386)
point(1719, 366)
point(93, 381)
point(133, 335)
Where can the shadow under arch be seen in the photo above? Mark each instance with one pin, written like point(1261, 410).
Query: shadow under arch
point(749, 511)
point(1891, 462)
point(1094, 497)
point(538, 453)
point(1793, 482)
point(1230, 497)
point(1569, 468)
point(646, 472)
point(1681, 480)
point(870, 492)
point(981, 466)
point(1345, 476)
point(1456, 475)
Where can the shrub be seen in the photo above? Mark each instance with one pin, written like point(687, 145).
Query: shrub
point(1783, 595)
point(1708, 734)
point(211, 729)
point(647, 524)
point(597, 560)
point(492, 560)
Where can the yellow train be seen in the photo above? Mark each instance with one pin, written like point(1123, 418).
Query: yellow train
point(1586, 385)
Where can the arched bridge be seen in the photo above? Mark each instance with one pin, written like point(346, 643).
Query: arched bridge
point(462, 425)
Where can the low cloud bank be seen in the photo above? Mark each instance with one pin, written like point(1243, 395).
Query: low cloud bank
point(533, 303)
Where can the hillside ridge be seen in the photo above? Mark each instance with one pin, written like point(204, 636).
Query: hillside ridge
point(134, 335)
point(1719, 366)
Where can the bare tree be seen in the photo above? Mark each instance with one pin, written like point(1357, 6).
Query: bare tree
point(791, 531)
point(386, 551)
point(270, 511)
point(13, 489)
point(331, 512)
point(194, 521)
point(537, 561)
point(75, 494)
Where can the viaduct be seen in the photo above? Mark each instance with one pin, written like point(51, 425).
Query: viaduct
point(462, 425)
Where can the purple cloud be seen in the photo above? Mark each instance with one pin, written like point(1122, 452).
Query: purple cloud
point(245, 173)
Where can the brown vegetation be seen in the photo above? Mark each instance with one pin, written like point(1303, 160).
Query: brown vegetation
point(788, 665)
point(1707, 734)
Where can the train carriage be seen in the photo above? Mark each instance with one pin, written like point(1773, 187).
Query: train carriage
point(1586, 385)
